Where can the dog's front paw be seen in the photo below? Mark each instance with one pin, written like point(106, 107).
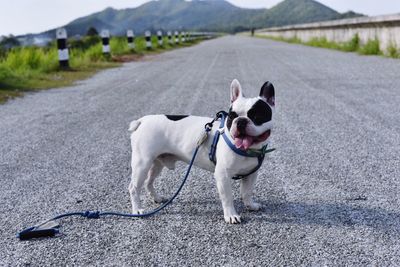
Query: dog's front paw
point(137, 211)
point(232, 219)
point(253, 206)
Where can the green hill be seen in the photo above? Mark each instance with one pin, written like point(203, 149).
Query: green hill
point(296, 11)
point(206, 15)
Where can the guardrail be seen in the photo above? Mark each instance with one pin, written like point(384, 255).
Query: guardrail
point(385, 29)
point(182, 37)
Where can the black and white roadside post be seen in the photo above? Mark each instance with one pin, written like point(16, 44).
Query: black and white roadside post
point(169, 33)
point(63, 55)
point(131, 39)
point(176, 37)
point(160, 38)
point(105, 37)
point(183, 37)
point(147, 36)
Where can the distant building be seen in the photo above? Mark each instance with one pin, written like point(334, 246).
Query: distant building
point(41, 41)
point(38, 40)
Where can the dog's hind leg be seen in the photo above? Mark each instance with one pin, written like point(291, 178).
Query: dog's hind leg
point(154, 171)
point(140, 170)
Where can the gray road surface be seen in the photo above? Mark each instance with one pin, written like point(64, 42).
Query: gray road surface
point(331, 191)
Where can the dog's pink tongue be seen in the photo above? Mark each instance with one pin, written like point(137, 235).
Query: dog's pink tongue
point(238, 142)
point(243, 143)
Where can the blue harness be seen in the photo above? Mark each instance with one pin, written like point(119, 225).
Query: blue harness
point(252, 153)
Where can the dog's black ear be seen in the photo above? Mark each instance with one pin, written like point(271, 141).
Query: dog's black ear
point(268, 93)
point(236, 90)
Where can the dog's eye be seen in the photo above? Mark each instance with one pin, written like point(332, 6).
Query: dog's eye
point(258, 120)
point(260, 113)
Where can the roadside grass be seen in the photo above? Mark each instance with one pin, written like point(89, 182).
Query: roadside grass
point(32, 68)
point(14, 85)
point(372, 47)
point(393, 51)
point(353, 45)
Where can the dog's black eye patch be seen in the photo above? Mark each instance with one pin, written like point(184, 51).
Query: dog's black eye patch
point(176, 117)
point(231, 116)
point(260, 113)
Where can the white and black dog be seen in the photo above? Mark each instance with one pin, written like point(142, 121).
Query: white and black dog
point(159, 141)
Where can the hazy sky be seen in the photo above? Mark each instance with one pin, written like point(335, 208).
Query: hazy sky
point(25, 16)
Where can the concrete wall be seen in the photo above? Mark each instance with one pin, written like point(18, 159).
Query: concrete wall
point(384, 28)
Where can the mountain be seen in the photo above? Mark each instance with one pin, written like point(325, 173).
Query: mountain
point(295, 12)
point(206, 15)
point(215, 15)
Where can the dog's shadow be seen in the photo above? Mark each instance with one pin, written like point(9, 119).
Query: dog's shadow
point(326, 214)
point(351, 214)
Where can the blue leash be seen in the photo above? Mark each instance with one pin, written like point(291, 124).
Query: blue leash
point(49, 228)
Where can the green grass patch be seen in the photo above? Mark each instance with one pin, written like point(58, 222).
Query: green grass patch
point(323, 43)
point(292, 40)
point(393, 51)
point(372, 47)
point(31, 68)
point(30, 59)
point(12, 86)
point(353, 45)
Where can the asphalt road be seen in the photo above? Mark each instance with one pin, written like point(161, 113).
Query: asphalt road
point(331, 191)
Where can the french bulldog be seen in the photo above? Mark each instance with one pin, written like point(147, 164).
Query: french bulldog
point(160, 141)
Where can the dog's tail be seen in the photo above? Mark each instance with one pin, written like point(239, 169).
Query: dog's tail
point(134, 125)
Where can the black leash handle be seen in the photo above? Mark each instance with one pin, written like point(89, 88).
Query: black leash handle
point(32, 232)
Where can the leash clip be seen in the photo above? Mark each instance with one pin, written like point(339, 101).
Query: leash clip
point(208, 126)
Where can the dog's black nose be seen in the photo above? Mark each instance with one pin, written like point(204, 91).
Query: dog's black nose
point(241, 125)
